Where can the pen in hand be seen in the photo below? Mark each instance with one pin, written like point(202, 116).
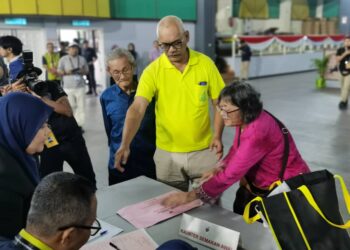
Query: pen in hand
point(114, 246)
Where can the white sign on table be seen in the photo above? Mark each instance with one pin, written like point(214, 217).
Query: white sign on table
point(208, 234)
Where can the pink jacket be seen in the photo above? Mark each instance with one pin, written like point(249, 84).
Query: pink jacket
point(258, 156)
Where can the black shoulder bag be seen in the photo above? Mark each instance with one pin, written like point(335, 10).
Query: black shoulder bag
point(247, 191)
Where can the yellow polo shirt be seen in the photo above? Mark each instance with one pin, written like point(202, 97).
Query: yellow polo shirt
point(182, 101)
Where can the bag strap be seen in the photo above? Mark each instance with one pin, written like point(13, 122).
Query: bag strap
point(246, 213)
point(285, 133)
point(306, 192)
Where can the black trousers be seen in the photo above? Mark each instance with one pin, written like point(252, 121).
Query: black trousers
point(91, 79)
point(74, 152)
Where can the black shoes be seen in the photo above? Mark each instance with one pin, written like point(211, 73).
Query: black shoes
point(343, 105)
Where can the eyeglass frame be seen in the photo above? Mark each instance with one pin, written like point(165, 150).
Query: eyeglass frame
point(125, 71)
point(98, 228)
point(177, 44)
point(225, 113)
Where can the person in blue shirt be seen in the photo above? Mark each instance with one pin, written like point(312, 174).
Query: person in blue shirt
point(11, 48)
point(115, 102)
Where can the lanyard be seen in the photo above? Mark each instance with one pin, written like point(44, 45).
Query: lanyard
point(71, 62)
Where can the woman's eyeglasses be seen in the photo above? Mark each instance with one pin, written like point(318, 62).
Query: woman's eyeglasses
point(225, 113)
point(95, 227)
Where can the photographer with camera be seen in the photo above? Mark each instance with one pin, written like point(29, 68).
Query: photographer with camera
point(11, 48)
point(66, 142)
point(72, 68)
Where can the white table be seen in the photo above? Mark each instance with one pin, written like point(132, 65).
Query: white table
point(112, 198)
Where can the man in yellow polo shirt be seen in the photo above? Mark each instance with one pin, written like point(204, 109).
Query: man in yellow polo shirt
point(62, 215)
point(183, 82)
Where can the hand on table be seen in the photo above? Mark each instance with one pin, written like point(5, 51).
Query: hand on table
point(179, 198)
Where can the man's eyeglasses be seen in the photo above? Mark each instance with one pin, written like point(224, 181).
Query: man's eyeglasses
point(176, 45)
point(225, 113)
point(125, 71)
point(95, 227)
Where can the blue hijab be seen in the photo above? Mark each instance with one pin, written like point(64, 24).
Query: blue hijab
point(21, 116)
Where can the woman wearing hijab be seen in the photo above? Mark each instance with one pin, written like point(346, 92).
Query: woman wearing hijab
point(23, 131)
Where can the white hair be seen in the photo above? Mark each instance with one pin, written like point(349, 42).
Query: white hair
point(120, 53)
point(165, 21)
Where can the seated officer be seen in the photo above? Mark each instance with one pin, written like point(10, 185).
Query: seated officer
point(62, 215)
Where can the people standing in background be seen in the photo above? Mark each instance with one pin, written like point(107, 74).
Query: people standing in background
point(183, 82)
point(90, 56)
point(132, 50)
point(63, 49)
point(11, 48)
point(72, 68)
point(155, 52)
point(77, 42)
point(115, 102)
point(246, 54)
point(343, 54)
point(23, 132)
point(227, 73)
point(50, 63)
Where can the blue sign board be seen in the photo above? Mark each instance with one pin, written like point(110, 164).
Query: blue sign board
point(16, 21)
point(81, 23)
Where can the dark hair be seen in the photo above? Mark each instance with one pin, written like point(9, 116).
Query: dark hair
point(59, 200)
point(221, 64)
point(11, 42)
point(245, 97)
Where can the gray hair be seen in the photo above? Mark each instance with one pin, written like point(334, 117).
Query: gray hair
point(165, 21)
point(120, 53)
point(61, 199)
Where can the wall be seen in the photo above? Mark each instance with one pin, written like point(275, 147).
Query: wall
point(344, 28)
point(205, 30)
point(283, 22)
point(268, 65)
point(85, 8)
point(153, 9)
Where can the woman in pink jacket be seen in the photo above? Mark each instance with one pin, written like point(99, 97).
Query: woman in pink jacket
point(256, 156)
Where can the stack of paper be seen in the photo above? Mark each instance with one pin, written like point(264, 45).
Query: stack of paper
point(150, 212)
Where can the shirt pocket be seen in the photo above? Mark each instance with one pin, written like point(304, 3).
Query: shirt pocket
point(200, 93)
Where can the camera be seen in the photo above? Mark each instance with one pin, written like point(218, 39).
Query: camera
point(30, 75)
point(76, 71)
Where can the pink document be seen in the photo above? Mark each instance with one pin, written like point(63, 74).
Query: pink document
point(150, 212)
